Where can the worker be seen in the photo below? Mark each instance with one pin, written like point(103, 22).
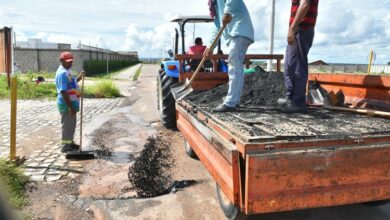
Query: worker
point(198, 48)
point(239, 34)
point(300, 38)
point(67, 100)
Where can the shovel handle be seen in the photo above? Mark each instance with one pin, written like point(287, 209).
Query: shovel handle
point(358, 110)
point(206, 55)
point(81, 111)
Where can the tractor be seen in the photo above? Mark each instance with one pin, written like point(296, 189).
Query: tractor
point(179, 67)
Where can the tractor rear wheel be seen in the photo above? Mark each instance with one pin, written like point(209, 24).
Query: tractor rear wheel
point(167, 102)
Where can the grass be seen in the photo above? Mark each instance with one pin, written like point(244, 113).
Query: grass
point(102, 89)
point(32, 76)
point(137, 73)
point(108, 75)
point(30, 90)
point(13, 181)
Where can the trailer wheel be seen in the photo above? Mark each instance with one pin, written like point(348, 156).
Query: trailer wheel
point(191, 153)
point(231, 211)
point(167, 102)
point(376, 203)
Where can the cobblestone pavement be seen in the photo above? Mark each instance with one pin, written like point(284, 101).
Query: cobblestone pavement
point(47, 163)
point(38, 121)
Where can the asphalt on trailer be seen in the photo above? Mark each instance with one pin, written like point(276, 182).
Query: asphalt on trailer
point(260, 116)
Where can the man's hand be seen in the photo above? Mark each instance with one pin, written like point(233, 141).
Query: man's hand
point(226, 19)
point(291, 36)
point(81, 75)
point(72, 111)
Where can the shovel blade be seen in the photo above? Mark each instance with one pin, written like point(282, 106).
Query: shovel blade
point(315, 97)
point(181, 90)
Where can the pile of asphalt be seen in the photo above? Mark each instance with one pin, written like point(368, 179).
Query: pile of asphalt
point(150, 175)
point(260, 89)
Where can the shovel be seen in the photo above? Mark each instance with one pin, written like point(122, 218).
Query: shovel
point(182, 89)
point(80, 154)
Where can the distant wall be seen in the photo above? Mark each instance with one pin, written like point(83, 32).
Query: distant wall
point(37, 60)
point(350, 68)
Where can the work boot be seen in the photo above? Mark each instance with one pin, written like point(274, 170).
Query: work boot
point(75, 146)
point(224, 108)
point(292, 108)
point(237, 105)
point(284, 101)
point(66, 148)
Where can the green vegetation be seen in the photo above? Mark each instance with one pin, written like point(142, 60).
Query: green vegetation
point(137, 73)
point(104, 75)
point(102, 89)
point(28, 89)
point(95, 67)
point(33, 76)
point(14, 181)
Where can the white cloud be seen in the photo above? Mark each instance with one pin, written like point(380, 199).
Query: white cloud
point(149, 43)
point(346, 30)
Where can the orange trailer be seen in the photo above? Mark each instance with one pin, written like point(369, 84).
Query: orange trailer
point(267, 161)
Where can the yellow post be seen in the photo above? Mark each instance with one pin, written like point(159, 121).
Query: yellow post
point(12, 154)
point(370, 62)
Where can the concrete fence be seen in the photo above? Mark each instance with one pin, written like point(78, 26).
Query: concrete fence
point(350, 68)
point(47, 60)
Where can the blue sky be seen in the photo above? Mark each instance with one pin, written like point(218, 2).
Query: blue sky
point(346, 31)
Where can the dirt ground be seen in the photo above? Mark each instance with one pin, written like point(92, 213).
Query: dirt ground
point(104, 192)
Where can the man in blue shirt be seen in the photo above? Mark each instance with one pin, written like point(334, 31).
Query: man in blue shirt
point(67, 100)
point(239, 34)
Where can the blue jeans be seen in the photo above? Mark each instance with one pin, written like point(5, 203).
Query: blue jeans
point(296, 67)
point(238, 47)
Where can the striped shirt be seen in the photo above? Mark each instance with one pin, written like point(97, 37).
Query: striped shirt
point(311, 17)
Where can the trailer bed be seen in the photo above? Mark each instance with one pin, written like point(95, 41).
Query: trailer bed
point(264, 160)
point(253, 124)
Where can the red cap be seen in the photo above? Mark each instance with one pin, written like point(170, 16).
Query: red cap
point(66, 56)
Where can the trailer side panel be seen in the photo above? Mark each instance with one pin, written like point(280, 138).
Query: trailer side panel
point(300, 179)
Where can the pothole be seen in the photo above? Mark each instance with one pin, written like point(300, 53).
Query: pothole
point(151, 173)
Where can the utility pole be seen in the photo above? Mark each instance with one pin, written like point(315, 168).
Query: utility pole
point(370, 62)
point(271, 34)
point(107, 60)
point(193, 34)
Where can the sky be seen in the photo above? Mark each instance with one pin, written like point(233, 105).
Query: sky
point(346, 30)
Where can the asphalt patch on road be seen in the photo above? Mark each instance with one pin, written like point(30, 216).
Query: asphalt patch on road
point(150, 174)
point(260, 89)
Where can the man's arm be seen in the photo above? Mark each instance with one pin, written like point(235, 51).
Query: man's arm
point(66, 97)
point(80, 76)
point(303, 8)
point(228, 11)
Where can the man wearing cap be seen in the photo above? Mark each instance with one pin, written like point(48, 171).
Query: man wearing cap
point(67, 100)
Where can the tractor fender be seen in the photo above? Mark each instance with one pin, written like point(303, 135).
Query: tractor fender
point(172, 68)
